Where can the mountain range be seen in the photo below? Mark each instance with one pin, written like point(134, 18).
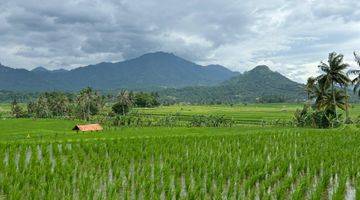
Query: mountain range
point(152, 70)
point(174, 78)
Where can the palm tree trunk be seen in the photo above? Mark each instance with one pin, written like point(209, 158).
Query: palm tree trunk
point(334, 100)
point(347, 112)
point(308, 98)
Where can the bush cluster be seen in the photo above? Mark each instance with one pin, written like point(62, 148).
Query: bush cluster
point(136, 120)
point(308, 117)
point(210, 121)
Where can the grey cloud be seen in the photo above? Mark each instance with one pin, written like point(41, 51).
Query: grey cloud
point(288, 35)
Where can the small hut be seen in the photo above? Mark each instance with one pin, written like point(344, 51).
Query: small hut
point(87, 127)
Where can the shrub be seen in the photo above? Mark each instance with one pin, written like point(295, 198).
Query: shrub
point(303, 117)
point(307, 117)
point(143, 99)
point(210, 121)
point(120, 108)
point(138, 120)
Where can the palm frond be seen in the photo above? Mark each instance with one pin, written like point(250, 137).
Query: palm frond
point(324, 67)
point(353, 72)
point(357, 58)
point(357, 85)
point(342, 66)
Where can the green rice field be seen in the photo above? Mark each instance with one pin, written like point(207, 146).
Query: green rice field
point(45, 159)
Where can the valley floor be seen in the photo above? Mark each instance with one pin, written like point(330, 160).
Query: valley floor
point(45, 159)
point(41, 130)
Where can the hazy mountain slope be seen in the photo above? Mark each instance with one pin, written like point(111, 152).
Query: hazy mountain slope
point(258, 84)
point(151, 70)
point(21, 79)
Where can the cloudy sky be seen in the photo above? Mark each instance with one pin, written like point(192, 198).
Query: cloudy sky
point(291, 37)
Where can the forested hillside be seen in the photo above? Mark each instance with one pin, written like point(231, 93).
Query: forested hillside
point(257, 85)
point(149, 71)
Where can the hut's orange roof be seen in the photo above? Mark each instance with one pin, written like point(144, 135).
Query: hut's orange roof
point(88, 127)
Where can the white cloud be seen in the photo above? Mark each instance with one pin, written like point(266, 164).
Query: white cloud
point(291, 37)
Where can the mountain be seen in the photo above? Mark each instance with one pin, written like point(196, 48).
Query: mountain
point(215, 69)
point(59, 70)
point(43, 70)
point(152, 70)
point(258, 84)
point(22, 80)
point(40, 69)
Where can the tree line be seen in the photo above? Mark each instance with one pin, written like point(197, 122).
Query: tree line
point(83, 105)
point(328, 92)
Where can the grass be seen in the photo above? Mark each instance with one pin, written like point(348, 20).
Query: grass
point(199, 163)
point(45, 159)
point(237, 112)
point(30, 130)
point(58, 129)
point(245, 114)
point(5, 108)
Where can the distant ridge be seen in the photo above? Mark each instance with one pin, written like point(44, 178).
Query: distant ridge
point(40, 69)
point(176, 80)
point(258, 84)
point(44, 70)
point(152, 70)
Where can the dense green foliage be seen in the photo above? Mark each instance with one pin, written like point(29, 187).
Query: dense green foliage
point(308, 117)
point(57, 104)
point(329, 91)
point(9, 96)
point(146, 100)
point(85, 105)
point(356, 72)
point(123, 104)
point(50, 104)
point(16, 110)
point(88, 103)
point(140, 120)
point(126, 100)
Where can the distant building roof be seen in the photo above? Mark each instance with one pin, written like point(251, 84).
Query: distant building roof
point(88, 127)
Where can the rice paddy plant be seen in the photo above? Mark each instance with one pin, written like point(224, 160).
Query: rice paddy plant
point(272, 165)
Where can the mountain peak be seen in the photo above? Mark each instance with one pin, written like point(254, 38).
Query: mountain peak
point(39, 69)
point(159, 54)
point(160, 58)
point(261, 68)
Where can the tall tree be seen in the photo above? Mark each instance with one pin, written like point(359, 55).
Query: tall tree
point(356, 72)
point(124, 102)
point(325, 99)
point(89, 103)
point(309, 87)
point(16, 109)
point(333, 76)
point(319, 94)
point(50, 104)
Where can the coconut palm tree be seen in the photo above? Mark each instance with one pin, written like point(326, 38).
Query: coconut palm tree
point(326, 102)
point(319, 94)
point(333, 75)
point(125, 101)
point(309, 87)
point(89, 102)
point(356, 80)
